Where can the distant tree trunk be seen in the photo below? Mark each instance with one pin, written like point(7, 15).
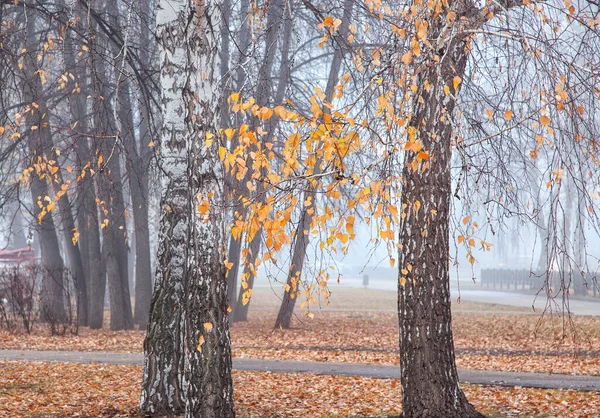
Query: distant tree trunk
point(187, 348)
point(288, 302)
point(138, 186)
point(114, 244)
point(233, 256)
point(241, 311)
point(17, 228)
point(284, 316)
point(544, 234)
point(275, 13)
point(72, 249)
point(87, 211)
point(232, 186)
point(89, 237)
point(143, 271)
point(52, 306)
point(108, 178)
point(235, 188)
point(429, 379)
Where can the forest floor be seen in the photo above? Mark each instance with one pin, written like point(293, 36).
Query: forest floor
point(358, 326)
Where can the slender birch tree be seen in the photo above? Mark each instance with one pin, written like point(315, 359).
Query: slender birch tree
point(187, 348)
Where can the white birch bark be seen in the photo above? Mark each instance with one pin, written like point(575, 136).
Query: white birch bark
point(187, 349)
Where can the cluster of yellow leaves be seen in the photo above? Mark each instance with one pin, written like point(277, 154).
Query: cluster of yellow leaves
point(46, 205)
point(469, 239)
point(43, 168)
point(314, 155)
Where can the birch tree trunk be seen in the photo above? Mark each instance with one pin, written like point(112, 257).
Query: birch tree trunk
point(187, 349)
point(428, 375)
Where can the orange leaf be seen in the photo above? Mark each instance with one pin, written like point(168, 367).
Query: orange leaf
point(545, 121)
point(456, 82)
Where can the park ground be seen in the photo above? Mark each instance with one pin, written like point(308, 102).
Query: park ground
point(358, 326)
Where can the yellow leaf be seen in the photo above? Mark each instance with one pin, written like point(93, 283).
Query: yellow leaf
point(461, 239)
point(208, 326)
point(203, 207)
point(229, 133)
point(422, 29)
point(545, 121)
point(465, 220)
point(471, 242)
point(200, 342)
point(209, 139)
point(446, 90)
point(407, 58)
point(416, 47)
point(456, 82)
point(246, 297)
point(222, 152)
point(402, 281)
point(508, 115)
point(281, 112)
point(265, 113)
point(234, 97)
point(489, 113)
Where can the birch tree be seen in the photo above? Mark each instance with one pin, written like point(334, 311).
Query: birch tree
point(187, 349)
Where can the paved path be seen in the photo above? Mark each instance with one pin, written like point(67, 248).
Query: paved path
point(479, 377)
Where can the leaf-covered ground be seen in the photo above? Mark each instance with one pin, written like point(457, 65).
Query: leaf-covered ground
point(484, 340)
point(366, 331)
point(43, 390)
